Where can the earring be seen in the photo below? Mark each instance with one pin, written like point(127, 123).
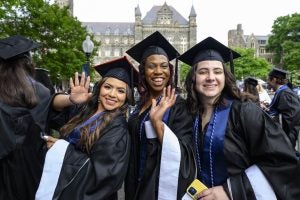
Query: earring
point(99, 100)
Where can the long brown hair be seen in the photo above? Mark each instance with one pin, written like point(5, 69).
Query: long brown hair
point(195, 103)
point(143, 87)
point(88, 138)
point(16, 82)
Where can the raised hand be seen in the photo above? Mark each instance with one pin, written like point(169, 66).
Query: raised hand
point(157, 111)
point(80, 89)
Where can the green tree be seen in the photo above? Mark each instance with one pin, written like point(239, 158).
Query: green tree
point(249, 65)
point(184, 69)
point(285, 43)
point(59, 34)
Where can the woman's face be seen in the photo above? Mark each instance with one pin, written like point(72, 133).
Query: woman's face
point(210, 79)
point(112, 94)
point(157, 72)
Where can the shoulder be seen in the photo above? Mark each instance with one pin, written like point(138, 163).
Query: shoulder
point(118, 124)
point(245, 108)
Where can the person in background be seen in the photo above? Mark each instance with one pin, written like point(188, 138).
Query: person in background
point(161, 138)
point(42, 75)
point(91, 159)
point(24, 106)
point(241, 153)
point(264, 97)
point(285, 105)
point(250, 90)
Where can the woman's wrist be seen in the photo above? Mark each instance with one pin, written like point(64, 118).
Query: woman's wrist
point(72, 101)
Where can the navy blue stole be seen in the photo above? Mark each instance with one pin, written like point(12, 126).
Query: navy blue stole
point(272, 110)
point(212, 169)
point(75, 136)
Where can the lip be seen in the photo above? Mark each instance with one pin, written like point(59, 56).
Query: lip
point(210, 86)
point(110, 101)
point(158, 81)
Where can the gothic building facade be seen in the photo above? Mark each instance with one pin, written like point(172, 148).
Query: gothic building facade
point(236, 38)
point(117, 37)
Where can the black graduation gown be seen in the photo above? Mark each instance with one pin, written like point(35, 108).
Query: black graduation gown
point(251, 137)
point(22, 149)
point(147, 187)
point(99, 175)
point(288, 105)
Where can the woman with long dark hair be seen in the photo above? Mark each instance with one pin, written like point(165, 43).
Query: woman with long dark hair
point(160, 149)
point(240, 152)
point(90, 162)
point(24, 106)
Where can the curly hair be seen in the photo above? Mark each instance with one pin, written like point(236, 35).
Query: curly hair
point(16, 82)
point(143, 87)
point(195, 103)
point(88, 138)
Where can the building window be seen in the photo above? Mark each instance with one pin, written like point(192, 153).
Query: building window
point(107, 53)
point(116, 52)
point(262, 51)
point(125, 41)
point(117, 31)
point(106, 40)
point(107, 31)
point(183, 44)
point(262, 41)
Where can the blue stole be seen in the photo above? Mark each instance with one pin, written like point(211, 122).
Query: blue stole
point(74, 136)
point(272, 110)
point(143, 139)
point(212, 169)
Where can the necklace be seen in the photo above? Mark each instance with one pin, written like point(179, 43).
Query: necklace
point(196, 130)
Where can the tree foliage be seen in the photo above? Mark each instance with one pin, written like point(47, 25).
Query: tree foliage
point(285, 42)
point(249, 65)
point(59, 34)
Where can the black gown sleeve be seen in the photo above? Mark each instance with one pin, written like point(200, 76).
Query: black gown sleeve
point(181, 123)
point(289, 108)
point(252, 137)
point(98, 175)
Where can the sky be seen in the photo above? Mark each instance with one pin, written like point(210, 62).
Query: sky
point(214, 17)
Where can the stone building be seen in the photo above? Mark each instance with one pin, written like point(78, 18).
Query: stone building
point(236, 38)
point(117, 37)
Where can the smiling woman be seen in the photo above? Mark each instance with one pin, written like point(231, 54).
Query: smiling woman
point(232, 136)
point(157, 170)
point(90, 161)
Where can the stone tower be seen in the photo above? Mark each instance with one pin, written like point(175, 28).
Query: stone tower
point(138, 26)
point(193, 28)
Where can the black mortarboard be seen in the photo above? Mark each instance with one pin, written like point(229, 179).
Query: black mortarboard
point(155, 43)
point(16, 45)
point(120, 69)
point(208, 49)
point(278, 73)
point(251, 81)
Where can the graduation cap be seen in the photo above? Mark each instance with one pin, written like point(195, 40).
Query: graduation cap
point(16, 46)
point(209, 49)
point(251, 81)
point(155, 43)
point(120, 69)
point(278, 73)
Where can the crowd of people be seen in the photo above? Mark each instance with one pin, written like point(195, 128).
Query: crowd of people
point(239, 144)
